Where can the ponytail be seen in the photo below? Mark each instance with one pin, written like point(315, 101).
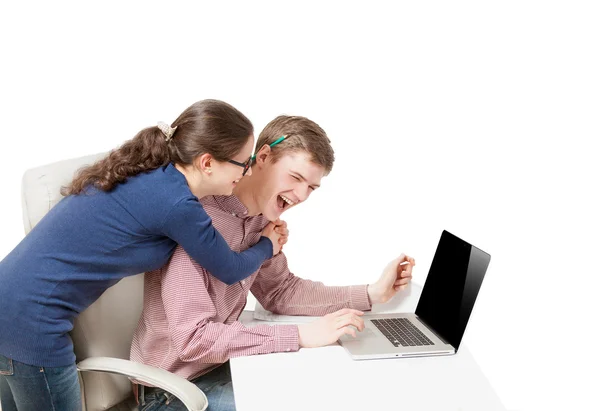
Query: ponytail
point(147, 151)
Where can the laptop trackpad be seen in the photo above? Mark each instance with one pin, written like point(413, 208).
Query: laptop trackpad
point(364, 334)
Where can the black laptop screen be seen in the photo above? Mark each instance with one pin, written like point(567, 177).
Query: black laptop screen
point(451, 287)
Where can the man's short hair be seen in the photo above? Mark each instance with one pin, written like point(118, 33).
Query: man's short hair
point(302, 135)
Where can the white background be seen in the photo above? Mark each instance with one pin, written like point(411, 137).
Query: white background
point(465, 116)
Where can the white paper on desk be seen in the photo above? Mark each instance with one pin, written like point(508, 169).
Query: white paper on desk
point(263, 315)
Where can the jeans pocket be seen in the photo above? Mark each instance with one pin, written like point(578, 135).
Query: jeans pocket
point(155, 401)
point(150, 402)
point(6, 366)
point(170, 397)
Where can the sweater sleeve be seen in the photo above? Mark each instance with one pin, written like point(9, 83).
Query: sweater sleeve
point(189, 225)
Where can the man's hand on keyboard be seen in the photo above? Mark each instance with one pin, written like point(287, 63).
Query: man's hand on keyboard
point(330, 328)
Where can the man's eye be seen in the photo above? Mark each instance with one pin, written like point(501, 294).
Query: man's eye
point(296, 178)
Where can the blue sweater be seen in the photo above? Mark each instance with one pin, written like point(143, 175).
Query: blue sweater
point(88, 242)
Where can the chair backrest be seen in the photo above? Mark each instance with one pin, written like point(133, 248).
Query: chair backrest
point(106, 327)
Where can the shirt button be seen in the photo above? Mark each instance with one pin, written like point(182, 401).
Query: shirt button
point(233, 214)
point(288, 350)
point(243, 282)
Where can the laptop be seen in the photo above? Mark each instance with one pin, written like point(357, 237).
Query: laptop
point(438, 325)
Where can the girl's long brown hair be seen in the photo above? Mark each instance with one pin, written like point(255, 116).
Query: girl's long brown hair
point(208, 126)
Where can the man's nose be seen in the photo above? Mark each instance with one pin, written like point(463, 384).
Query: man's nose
point(302, 193)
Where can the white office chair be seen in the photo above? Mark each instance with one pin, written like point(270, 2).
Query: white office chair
point(102, 334)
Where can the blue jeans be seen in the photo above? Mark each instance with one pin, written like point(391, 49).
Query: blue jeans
point(31, 388)
point(216, 385)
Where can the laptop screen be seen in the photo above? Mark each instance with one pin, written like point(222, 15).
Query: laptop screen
point(451, 287)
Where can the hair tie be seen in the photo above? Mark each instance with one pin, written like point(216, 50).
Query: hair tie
point(167, 130)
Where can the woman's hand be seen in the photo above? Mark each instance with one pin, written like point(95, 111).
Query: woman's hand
point(282, 230)
point(277, 232)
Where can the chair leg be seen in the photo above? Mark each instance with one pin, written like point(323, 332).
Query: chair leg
point(82, 390)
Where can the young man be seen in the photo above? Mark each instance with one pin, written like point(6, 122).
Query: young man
point(189, 323)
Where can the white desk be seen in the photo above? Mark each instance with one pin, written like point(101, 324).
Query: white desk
point(328, 379)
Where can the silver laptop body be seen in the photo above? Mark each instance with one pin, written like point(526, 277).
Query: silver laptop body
point(444, 308)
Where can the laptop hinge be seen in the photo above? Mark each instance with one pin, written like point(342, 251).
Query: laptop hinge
point(433, 331)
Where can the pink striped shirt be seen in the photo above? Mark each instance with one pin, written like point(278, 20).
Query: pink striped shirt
point(189, 322)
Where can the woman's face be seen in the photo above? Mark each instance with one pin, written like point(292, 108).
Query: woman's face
point(226, 175)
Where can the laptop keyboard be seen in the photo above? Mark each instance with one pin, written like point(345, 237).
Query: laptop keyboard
point(401, 332)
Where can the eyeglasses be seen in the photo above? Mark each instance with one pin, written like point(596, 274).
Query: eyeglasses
point(245, 166)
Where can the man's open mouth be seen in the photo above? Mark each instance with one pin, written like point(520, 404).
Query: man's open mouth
point(283, 202)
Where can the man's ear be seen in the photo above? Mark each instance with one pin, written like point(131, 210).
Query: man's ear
point(262, 156)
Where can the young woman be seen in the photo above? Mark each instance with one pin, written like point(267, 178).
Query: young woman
point(121, 216)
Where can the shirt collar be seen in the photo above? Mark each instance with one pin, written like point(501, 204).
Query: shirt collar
point(232, 204)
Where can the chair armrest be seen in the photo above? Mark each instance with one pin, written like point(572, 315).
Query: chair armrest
point(190, 395)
